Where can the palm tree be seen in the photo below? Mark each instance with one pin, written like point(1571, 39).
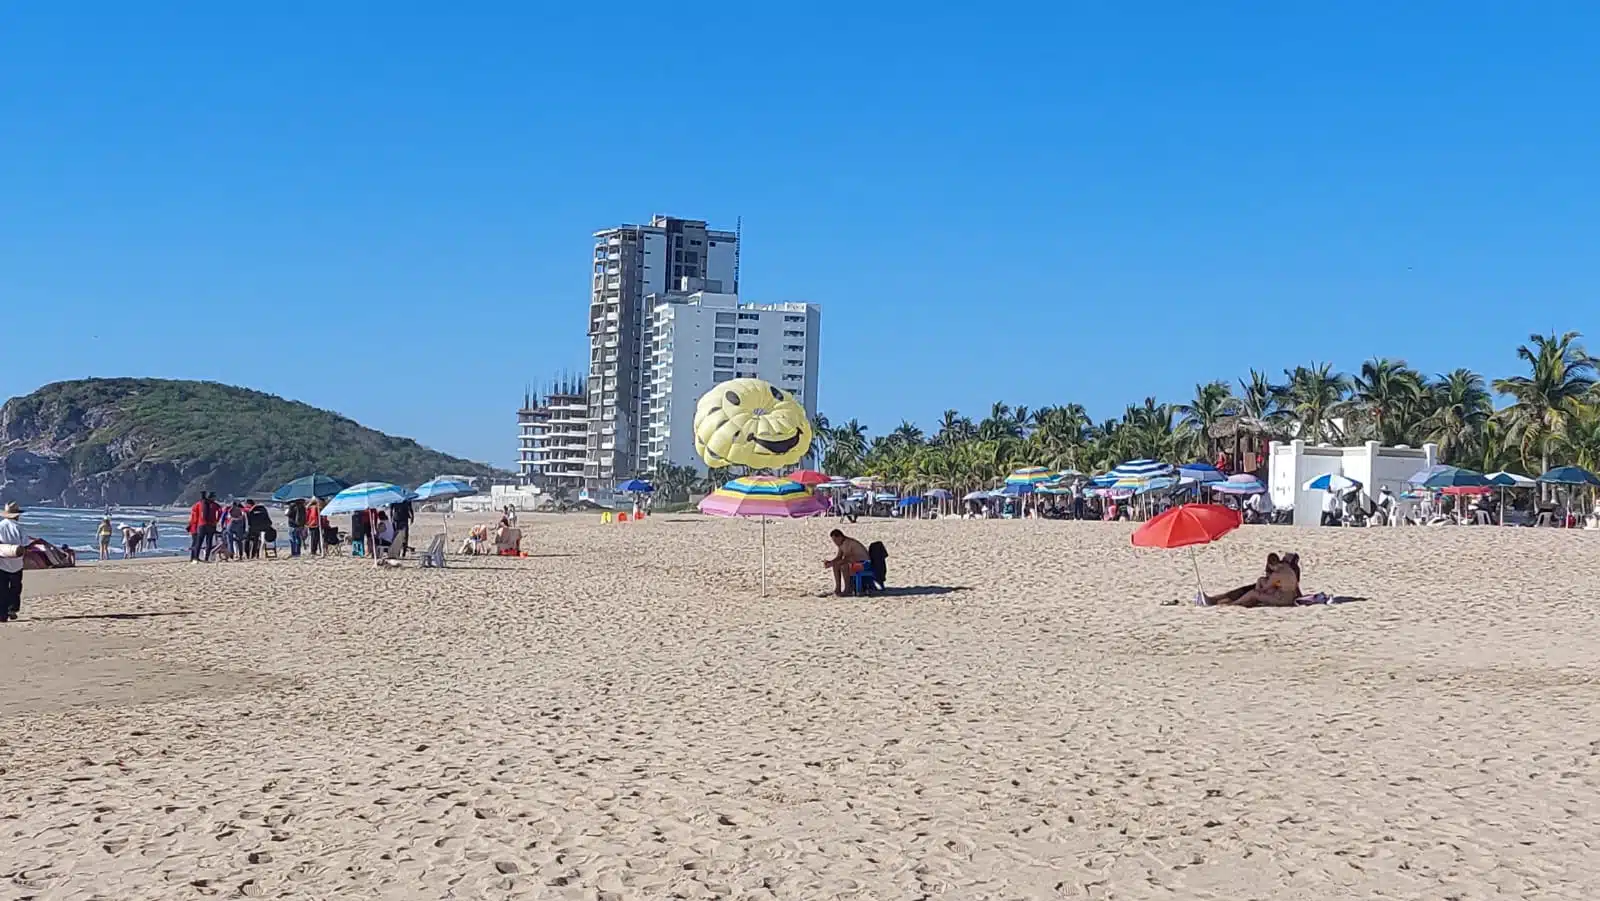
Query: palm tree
point(1547, 399)
point(1388, 393)
point(954, 428)
point(906, 434)
point(1212, 401)
point(999, 424)
point(847, 449)
point(1461, 408)
point(1313, 397)
point(1579, 442)
point(1260, 399)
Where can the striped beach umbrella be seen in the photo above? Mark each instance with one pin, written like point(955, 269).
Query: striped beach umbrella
point(1242, 483)
point(1030, 475)
point(1455, 477)
point(762, 497)
point(443, 489)
point(1138, 471)
point(366, 496)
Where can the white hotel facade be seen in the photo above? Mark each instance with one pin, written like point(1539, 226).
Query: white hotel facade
point(701, 338)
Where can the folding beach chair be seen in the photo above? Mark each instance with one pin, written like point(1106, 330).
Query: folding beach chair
point(433, 557)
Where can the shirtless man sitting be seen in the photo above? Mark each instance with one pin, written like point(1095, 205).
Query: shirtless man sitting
point(1278, 587)
point(851, 552)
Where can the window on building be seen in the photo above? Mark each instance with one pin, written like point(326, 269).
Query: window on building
point(694, 242)
point(791, 377)
point(795, 348)
point(677, 256)
point(749, 315)
point(753, 361)
point(725, 318)
point(726, 334)
point(790, 334)
point(794, 319)
point(722, 375)
point(722, 361)
point(794, 362)
point(691, 256)
point(723, 347)
point(747, 345)
point(749, 331)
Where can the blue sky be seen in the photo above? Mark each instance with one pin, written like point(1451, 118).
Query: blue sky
point(1037, 205)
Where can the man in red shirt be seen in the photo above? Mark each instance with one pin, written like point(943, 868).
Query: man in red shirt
point(203, 518)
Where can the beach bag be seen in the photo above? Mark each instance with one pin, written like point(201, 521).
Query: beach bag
point(270, 534)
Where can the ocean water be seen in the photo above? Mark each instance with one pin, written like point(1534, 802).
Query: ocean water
point(76, 529)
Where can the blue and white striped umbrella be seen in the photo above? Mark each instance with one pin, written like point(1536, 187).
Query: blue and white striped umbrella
point(1201, 472)
point(1331, 482)
point(366, 496)
point(1239, 484)
point(443, 489)
point(1141, 470)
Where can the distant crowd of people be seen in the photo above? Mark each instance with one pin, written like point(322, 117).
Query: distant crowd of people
point(244, 530)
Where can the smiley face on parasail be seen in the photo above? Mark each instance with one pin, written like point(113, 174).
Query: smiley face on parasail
point(749, 422)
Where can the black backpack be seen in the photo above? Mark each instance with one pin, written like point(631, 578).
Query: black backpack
point(878, 559)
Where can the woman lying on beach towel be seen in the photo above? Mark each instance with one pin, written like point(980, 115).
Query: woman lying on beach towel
point(1278, 587)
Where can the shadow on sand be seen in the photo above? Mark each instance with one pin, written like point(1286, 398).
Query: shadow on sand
point(918, 591)
point(73, 616)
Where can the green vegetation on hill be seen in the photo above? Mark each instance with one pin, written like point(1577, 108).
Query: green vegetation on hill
point(207, 435)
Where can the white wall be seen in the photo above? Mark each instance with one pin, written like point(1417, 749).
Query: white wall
point(1291, 465)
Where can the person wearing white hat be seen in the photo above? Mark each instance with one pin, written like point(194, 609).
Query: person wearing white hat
point(12, 542)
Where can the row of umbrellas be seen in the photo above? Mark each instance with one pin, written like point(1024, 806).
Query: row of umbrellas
point(368, 495)
point(1454, 479)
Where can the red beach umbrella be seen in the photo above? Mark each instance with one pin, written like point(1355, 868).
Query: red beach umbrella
point(807, 477)
point(1186, 526)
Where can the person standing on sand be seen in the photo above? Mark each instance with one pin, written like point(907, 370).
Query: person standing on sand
point(314, 527)
point(11, 567)
point(296, 515)
point(103, 536)
point(203, 518)
point(152, 535)
point(400, 516)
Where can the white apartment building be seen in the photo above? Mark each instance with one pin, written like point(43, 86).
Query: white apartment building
point(632, 262)
point(552, 439)
point(702, 338)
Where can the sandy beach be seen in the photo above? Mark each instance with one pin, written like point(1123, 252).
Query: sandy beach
point(620, 716)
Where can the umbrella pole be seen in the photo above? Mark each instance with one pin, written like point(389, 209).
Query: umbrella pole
point(763, 556)
point(1197, 580)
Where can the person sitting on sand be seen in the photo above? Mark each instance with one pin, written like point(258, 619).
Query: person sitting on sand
point(851, 553)
point(1278, 587)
